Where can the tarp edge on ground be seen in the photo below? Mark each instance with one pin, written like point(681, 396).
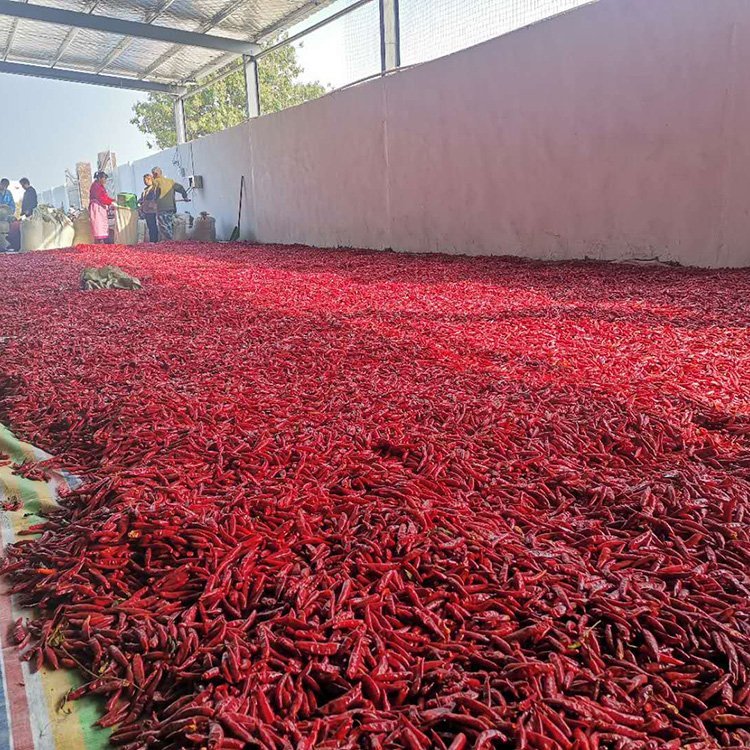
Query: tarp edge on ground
point(32, 716)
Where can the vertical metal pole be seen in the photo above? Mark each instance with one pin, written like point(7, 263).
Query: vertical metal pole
point(390, 36)
point(251, 86)
point(179, 120)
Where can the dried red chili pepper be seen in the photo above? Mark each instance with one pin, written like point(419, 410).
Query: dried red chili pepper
point(407, 501)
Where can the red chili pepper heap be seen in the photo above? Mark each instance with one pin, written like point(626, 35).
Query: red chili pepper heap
point(337, 499)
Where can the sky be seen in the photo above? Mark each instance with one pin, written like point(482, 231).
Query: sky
point(57, 124)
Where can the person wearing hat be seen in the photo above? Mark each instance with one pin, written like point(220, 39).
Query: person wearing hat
point(99, 202)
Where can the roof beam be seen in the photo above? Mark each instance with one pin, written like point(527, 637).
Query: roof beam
point(76, 76)
point(61, 17)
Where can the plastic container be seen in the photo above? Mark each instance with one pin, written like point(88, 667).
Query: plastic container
point(129, 200)
point(204, 228)
point(126, 225)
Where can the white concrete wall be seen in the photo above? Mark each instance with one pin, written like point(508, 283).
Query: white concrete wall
point(620, 129)
point(320, 172)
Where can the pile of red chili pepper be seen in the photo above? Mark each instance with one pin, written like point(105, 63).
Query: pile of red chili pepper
point(339, 499)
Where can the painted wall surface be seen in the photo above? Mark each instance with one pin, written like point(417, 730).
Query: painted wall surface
point(598, 134)
point(620, 129)
point(320, 172)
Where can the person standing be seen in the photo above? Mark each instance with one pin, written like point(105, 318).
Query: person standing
point(30, 200)
point(166, 205)
point(149, 203)
point(6, 198)
point(99, 202)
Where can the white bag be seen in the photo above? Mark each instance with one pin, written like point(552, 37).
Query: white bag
point(32, 234)
point(82, 230)
point(142, 233)
point(204, 229)
point(181, 226)
point(126, 226)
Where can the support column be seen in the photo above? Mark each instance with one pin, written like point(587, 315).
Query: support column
point(179, 119)
point(390, 36)
point(251, 86)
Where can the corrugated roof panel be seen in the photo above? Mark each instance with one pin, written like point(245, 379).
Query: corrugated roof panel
point(138, 11)
point(245, 18)
point(89, 48)
point(81, 6)
point(203, 11)
point(35, 40)
point(183, 64)
point(138, 55)
point(42, 43)
point(258, 17)
point(6, 24)
point(174, 21)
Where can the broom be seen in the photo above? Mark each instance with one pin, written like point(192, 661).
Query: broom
point(236, 231)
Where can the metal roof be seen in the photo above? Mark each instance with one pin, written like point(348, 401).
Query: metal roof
point(161, 45)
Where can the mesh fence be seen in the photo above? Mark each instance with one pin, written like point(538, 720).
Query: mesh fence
point(348, 48)
point(433, 28)
point(341, 52)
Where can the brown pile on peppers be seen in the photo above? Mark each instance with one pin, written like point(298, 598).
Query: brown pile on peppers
point(360, 500)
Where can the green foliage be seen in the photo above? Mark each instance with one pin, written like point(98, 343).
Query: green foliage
point(223, 104)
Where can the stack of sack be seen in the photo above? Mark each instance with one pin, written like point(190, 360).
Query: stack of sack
point(46, 229)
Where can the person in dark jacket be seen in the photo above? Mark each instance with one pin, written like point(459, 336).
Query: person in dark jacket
point(149, 204)
point(30, 200)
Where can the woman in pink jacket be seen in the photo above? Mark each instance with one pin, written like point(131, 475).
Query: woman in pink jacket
point(99, 201)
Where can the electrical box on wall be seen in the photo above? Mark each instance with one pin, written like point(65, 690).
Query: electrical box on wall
point(195, 182)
